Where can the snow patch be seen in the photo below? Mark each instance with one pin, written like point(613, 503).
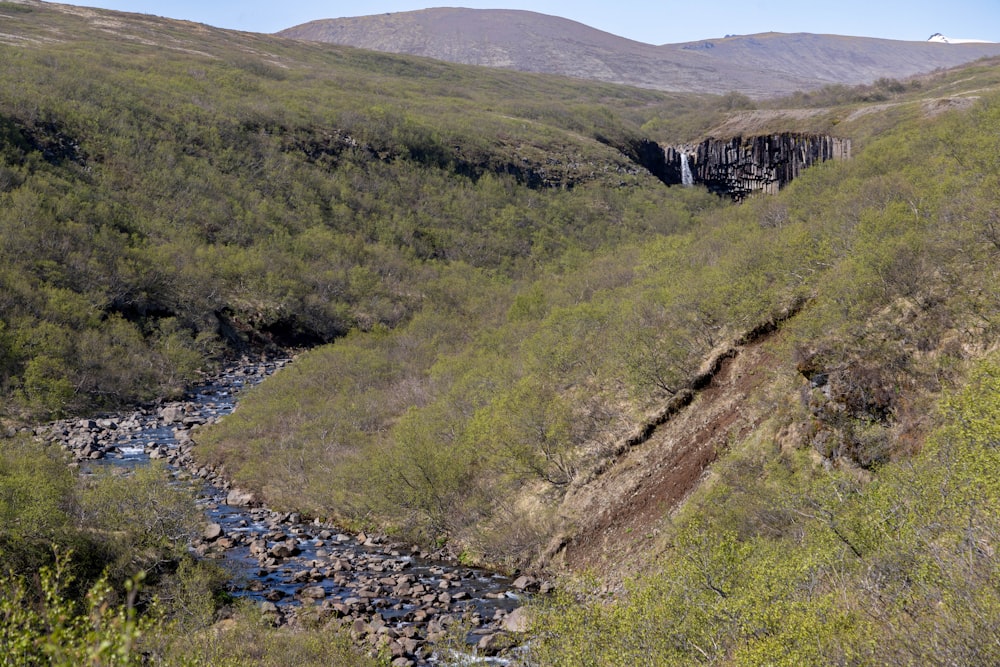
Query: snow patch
point(941, 39)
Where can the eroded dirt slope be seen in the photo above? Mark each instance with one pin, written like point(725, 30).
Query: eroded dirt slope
point(616, 516)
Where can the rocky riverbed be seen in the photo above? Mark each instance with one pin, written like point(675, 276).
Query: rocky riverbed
point(390, 596)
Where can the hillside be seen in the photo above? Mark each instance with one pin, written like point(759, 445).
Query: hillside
point(744, 413)
point(174, 192)
point(739, 434)
point(765, 65)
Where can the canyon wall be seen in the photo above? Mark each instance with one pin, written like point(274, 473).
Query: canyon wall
point(741, 166)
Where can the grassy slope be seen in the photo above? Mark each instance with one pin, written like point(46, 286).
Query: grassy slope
point(507, 340)
point(474, 422)
point(171, 189)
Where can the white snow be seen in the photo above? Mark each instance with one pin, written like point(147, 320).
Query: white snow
point(941, 39)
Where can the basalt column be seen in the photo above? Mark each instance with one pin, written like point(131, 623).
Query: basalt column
point(740, 166)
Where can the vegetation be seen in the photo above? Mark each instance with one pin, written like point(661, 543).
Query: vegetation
point(168, 194)
point(783, 563)
point(511, 297)
point(96, 572)
point(519, 390)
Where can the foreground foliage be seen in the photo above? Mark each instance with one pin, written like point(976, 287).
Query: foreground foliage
point(58, 630)
point(95, 572)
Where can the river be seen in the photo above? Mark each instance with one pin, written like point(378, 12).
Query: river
point(386, 594)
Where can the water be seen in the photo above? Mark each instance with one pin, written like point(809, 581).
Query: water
point(687, 178)
point(284, 563)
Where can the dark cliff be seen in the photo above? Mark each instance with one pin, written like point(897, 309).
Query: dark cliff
point(740, 166)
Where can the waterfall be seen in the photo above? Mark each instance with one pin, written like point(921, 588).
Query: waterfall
point(687, 178)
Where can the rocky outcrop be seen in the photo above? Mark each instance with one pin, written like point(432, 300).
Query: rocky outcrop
point(741, 166)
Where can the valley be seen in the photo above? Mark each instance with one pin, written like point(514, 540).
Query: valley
point(393, 596)
point(529, 353)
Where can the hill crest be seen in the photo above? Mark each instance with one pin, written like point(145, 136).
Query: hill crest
point(760, 65)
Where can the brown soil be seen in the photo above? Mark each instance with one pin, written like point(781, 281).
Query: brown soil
point(618, 515)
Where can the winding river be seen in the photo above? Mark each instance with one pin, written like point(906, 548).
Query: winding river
point(392, 596)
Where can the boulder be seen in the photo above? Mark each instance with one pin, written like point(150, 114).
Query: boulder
point(212, 531)
point(494, 643)
point(237, 498)
point(172, 413)
point(313, 592)
point(282, 550)
point(517, 621)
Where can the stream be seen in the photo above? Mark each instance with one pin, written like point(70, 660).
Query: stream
point(388, 595)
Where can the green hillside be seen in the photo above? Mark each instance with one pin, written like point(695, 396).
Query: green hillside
point(768, 428)
point(172, 191)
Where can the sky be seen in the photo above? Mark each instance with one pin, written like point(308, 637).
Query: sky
point(650, 21)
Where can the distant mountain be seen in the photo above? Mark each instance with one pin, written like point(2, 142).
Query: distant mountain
point(760, 65)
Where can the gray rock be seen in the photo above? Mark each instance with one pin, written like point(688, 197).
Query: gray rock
point(313, 592)
point(172, 413)
point(517, 621)
point(495, 643)
point(359, 628)
point(213, 531)
point(281, 550)
point(237, 498)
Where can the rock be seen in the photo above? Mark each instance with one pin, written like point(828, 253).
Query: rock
point(359, 628)
point(740, 166)
point(282, 550)
point(494, 643)
point(237, 498)
point(523, 583)
point(313, 592)
point(212, 531)
point(517, 621)
point(172, 413)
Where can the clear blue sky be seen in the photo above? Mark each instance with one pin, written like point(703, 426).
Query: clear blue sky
point(651, 21)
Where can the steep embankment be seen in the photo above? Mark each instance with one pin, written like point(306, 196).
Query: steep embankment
point(620, 511)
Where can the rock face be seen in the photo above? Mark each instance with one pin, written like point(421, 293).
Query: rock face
point(741, 166)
